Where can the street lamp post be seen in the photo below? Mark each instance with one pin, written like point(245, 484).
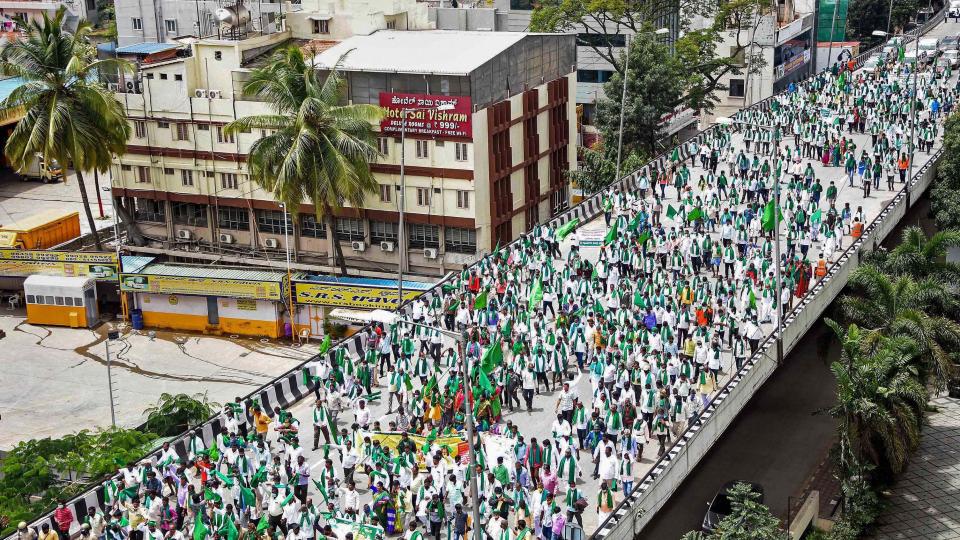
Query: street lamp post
point(623, 97)
point(286, 247)
point(401, 203)
point(468, 418)
point(111, 335)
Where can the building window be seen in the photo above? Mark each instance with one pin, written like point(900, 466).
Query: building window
point(235, 219)
point(593, 75)
point(186, 177)
point(182, 132)
point(349, 229)
point(386, 193)
point(585, 39)
point(383, 145)
point(424, 236)
point(170, 25)
point(125, 167)
point(382, 231)
point(423, 196)
point(189, 213)
point(461, 151)
point(137, 23)
point(223, 137)
point(463, 198)
point(526, 5)
point(140, 129)
point(161, 125)
point(460, 240)
point(272, 221)
point(203, 127)
point(178, 77)
point(321, 27)
point(143, 174)
point(391, 25)
point(148, 210)
point(163, 76)
point(737, 88)
point(423, 150)
point(167, 171)
point(309, 226)
point(228, 181)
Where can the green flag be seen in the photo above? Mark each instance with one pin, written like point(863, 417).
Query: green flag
point(768, 218)
point(259, 476)
point(642, 239)
point(128, 493)
point(325, 346)
point(223, 478)
point(484, 382)
point(817, 216)
point(431, 384)
point(611, 234)
point(262, 525)
point(536, 295)
point(229, 530)
point(567, 228)
point(481, 301)
point(675, 155)
point(634, 223)
point(200, 530)
point(671, 211)
point(753, 300)
point(209, 495)
point(695, 214)
point(247, 497)
point(492, 357)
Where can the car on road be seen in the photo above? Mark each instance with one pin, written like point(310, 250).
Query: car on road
point(949, 58)
point(720, 507)
point(950, 43)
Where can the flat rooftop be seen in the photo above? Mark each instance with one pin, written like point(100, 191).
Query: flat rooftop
point(441, 52)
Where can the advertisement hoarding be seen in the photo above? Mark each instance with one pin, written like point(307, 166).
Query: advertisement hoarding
point(349, 296)
point(25, 262)
point(230, 288)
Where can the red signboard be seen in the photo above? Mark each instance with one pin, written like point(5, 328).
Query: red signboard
point(422, 115)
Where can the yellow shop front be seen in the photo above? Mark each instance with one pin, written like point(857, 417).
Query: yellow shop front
point(220, 301)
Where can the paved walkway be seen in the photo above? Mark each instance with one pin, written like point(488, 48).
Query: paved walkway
point(926, 499)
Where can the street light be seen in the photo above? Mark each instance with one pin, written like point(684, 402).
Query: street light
point(286, 247)
point(727, 121)
point(111, 335)
point(913, 98)
point(467, 410)
point(401, 244)
point(623, 98)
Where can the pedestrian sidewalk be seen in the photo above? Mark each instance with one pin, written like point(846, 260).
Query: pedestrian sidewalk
point(925, 501)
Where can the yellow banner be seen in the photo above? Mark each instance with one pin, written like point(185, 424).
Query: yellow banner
point(231, 288)
point(17, 262)
point(392, 440)
point(349, 296)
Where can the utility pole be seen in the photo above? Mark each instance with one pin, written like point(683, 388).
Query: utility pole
point(111, 335)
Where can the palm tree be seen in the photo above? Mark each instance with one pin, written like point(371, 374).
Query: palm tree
point(880, 400)
point(900, 306)
point(69, 115)
point(318, 150)
point(922, 256)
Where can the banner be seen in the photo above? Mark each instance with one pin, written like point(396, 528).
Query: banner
point(230, 288)
point(390, 440)
point(342, 527)
point(25, 262)
point(422, 115)
point(350, 296)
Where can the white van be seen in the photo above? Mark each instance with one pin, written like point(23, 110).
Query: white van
point(929, 45)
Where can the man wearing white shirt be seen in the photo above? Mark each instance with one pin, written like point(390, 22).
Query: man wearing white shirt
point(609, 465)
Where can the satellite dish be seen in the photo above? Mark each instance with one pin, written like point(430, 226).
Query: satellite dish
point(233, 16)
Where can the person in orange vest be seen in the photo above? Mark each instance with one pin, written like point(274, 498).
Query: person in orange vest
point(821, 270)
point(857, 228)
point(903, 164)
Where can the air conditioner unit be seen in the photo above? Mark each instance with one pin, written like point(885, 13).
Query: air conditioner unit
point(184, 234)
point(357, 245)
point(430, 253)
point(226, 238)
point(386, 246)
point(271, 243)
point(133, 87)
point(114, 87)
point(200, 92)
point(216, 94)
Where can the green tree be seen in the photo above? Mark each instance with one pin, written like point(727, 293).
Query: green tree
point(175, 413)
point(901, 306)
point(945, 194)
point(880, 400)
point(318, 150)
point(924, 257)
point(865, 16)
point(598, 167)
point(68, 114)
point(749, 519)
point(654, 87)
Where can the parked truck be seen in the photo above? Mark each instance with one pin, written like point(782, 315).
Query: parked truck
point(40, 231)
point(41, 169)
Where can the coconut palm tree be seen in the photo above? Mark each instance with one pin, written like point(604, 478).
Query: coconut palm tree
point(900, 306)
point(880, 399)
point(318, 150)
point(69, 114)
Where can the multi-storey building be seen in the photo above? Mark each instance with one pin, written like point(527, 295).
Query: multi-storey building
point(481, 173)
